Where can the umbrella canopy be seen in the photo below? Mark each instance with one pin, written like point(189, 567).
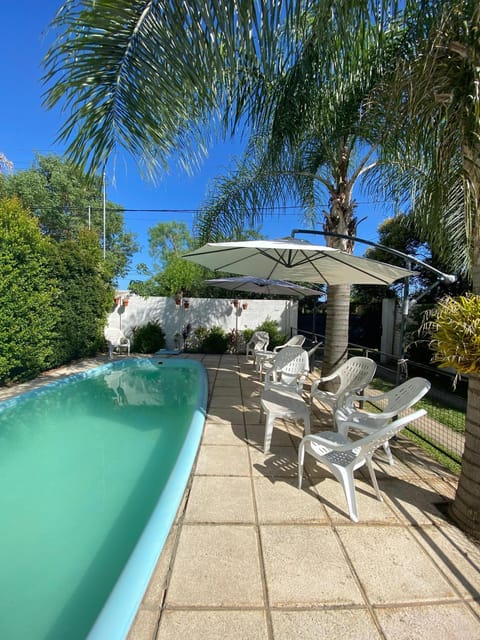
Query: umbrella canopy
point(264, 286)
point(297, 260)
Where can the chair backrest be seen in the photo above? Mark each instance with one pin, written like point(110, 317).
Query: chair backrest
point(260, 339)
point(354, 375)
point(289, 366)
point(368, 444)
point(258, 342)
point(115, 336)
point(404, 396)
point(294, 341)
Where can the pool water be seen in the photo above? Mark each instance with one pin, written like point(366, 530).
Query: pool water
point(82, 466)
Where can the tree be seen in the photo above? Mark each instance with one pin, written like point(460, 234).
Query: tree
point(440, 140)
point(28, 290)
point(321, 138)
point(66, 201)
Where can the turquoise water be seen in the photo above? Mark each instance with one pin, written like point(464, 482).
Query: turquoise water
point(82, 466)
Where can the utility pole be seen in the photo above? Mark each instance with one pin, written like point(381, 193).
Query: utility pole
point(104, 214)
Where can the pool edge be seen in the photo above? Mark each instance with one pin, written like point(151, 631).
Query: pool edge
point(118, 613)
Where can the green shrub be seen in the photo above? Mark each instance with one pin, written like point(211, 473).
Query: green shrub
point(216, 341)
point(148, 339)
point(28, 291)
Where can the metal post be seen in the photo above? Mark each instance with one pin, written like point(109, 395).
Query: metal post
point(104, 215)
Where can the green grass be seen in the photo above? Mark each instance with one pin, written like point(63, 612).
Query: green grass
point(446, 461)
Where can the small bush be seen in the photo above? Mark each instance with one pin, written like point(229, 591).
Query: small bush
point(148, 339)
point(216, 341)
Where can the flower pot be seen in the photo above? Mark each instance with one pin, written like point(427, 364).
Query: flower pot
point(245, 306)
point(235, 304)
point(125, 303)
point(186, 304)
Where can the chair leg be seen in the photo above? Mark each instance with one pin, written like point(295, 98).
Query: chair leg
point(373, 477)
point(268, 432)
point(301, 456)
point(388, 452)
point(348, 483)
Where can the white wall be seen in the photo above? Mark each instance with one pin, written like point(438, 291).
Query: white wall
point(206, 312)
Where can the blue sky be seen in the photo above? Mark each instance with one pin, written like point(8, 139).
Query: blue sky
point(27, 128)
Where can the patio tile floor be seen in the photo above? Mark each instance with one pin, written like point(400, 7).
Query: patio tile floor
point(252, 557)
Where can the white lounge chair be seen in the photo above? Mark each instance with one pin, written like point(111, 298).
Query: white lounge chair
point(352, 377)
point(116, 339)
point(289, 369)
point(393, 403)
point(343, 456)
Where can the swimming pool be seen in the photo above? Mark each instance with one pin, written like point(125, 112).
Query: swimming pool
point(92, 470)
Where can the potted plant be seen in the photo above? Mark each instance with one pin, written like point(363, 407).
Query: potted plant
point(235, 304)
point(186, 304)
point(245, 306)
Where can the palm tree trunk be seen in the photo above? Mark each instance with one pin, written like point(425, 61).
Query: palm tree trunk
point(465, 509)
point(336, 330)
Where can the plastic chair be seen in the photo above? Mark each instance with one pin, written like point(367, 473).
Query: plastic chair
point(353, 376)
point(394, 402)
point(289, 369)
point(343, 456)
point(116, 339)
point(258, 342)
point(295, 341)
point(277, 402)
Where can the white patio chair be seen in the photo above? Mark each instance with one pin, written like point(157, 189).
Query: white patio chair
point(294, 341)
point(116, 339)
point(352, 376)
point(278, 402)
point(264, 359)
point(289, 369)
point(343, 456)
point(393, 403)
point(258, 342)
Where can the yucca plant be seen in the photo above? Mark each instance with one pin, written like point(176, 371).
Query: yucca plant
point(454, 330)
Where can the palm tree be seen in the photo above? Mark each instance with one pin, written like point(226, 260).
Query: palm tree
point(320, 140)
point(440, 110)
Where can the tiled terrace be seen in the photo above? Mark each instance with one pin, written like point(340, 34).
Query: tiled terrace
point(251, 557)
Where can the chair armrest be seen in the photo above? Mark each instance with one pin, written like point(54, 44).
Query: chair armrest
point(331, 440)
point(318, 381)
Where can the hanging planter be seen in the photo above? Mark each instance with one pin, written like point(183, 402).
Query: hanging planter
point(235, 304)
point(245, 306)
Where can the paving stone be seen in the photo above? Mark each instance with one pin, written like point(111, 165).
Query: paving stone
point(213, 625)
point(305, 566)
point(453, 621)
point(392, 567)
point(216, 566)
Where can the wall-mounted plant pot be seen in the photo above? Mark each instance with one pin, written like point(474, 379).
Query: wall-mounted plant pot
point(245, 306)
point(125, 303)
point(177, 302)
point(116, 301)
point(235, 304)
point(186, 304)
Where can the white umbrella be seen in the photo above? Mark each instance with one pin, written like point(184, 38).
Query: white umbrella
point(264, 286)
point(297, 260)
